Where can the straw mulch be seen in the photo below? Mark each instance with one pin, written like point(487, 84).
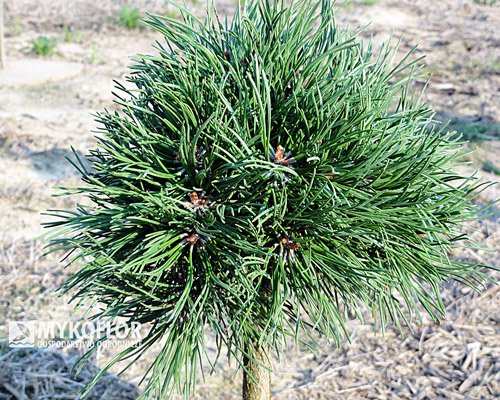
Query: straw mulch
point(457, 359)
point(36, 374)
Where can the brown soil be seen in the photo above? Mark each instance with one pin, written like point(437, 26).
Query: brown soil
point(458, 359)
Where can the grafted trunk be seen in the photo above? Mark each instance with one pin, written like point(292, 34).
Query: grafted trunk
point(258, 388)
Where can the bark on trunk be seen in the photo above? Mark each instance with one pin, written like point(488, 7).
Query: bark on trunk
point(258, 388)
point(3, 62)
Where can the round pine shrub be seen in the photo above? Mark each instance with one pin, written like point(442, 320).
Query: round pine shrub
point(264, 176)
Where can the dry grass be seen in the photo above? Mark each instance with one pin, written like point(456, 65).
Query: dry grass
point(36, 374)
point(82, 14)
point(458, 359)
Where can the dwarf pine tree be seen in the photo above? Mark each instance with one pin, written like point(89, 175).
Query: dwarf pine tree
point(266, 174)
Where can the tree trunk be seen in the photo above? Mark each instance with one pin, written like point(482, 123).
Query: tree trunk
point(258, 388)
point(3, 62)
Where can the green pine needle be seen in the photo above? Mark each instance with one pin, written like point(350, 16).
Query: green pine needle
point(263, 177)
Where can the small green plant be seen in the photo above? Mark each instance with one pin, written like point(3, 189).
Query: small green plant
point(72, 36)
point(370, 2)
point(474, 131)
point(348, 4)
point(488, 2)
point(43, 46)
point(496, 65)
point(169, 13)
point(94, 56)
point(17, 26)
point(130, 17)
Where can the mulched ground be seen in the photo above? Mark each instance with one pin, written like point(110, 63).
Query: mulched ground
point(457, 359)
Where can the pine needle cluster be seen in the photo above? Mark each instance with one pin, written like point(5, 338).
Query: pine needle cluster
point(265, 175)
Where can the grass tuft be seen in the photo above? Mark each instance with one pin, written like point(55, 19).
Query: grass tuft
point(43, 46)
point(129, 17)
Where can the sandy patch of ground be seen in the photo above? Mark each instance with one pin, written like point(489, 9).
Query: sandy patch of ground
point(36, 72)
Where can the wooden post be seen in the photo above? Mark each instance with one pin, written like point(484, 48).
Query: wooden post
point(258, 388)
point(3, 61)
